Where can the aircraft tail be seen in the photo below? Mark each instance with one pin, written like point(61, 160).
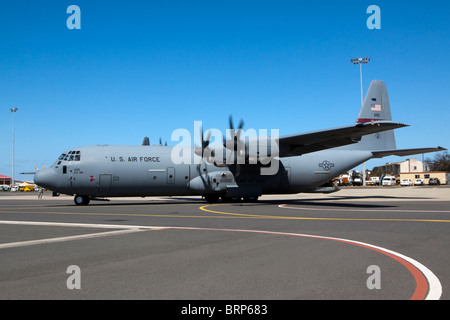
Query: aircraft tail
point(376, 108)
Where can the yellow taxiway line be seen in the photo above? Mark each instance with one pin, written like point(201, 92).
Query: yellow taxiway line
point(245, 215)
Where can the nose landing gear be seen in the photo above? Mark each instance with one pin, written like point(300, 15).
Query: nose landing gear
point(81, 200)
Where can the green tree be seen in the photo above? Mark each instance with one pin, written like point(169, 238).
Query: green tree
point(440, 162)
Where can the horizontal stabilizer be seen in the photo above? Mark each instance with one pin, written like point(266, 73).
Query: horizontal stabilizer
point(404, 152)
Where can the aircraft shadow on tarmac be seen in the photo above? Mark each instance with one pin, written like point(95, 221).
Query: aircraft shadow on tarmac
point(323, 202)
point(109, 202)
point(336, 201)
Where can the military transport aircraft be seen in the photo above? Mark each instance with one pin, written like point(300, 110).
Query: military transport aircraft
point(305, 162)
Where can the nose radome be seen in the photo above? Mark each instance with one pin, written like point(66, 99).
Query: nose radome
point(46, 178)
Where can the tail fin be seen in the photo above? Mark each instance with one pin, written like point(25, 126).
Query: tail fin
point(376, 108)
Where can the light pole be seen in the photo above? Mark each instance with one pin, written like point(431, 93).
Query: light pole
point(361, 61)
point(13, 110)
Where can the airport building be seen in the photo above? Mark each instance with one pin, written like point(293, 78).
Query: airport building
point(413, 170)
point(5, 180)
point(443, 177)
point(397, 168)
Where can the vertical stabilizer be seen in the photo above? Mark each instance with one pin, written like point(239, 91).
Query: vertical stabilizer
point(376, 108)
point(376, 104)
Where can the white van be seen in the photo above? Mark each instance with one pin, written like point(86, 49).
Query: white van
point(389, 181)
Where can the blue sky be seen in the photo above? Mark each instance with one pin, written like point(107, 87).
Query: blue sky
point(146, 68)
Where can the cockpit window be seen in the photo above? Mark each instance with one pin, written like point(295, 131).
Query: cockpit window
point(70, 156)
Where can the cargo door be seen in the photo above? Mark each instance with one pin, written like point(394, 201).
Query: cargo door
point(104, 184)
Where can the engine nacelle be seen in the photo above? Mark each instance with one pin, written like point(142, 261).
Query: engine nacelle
point(213, 182)
point(252, 150)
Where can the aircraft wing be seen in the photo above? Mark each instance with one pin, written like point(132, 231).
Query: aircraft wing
point(298, 144)
point(404, 152)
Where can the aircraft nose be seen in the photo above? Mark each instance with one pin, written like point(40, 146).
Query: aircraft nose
point(46, 178)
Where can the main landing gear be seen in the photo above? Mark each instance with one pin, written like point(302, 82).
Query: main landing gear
point(215, 198)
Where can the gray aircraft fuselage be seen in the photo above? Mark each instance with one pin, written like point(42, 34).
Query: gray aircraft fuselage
point(115, 171)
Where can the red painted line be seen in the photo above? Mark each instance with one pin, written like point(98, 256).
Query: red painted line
point(367, 120)
point(422, 286)
point(421, 282)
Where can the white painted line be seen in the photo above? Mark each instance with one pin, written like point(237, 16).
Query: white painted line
point(81, 225)
point(123, 230)
point(69, 238)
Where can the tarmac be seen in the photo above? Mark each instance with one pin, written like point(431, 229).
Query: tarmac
point(364, 243)
point(414, 193)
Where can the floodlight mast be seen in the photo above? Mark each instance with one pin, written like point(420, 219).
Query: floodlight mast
point(360, 61)
point(13, 110)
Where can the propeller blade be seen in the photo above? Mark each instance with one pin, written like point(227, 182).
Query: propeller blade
point(230, 121)
point(241, 124)
point(207, 141)
point(235, 135)
point(200, 150)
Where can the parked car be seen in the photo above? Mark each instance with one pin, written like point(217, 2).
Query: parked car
point(357, 182)
point(389, 181)
point(406, 182)
point(434, 182)
point(418, 182)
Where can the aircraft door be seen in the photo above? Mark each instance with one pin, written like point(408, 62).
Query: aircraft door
point(104, 184)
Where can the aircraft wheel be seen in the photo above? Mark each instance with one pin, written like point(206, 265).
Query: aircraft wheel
point(231, 199)
point(251, 199)
point(81, 200)
point(212, 199)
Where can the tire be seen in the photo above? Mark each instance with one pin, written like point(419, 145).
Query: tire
point(235, 199)
point(251, 199)
point(227, 199)
point(81, 200)
point(212, 199)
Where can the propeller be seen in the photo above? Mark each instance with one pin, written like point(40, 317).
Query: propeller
point(235, 135)
point(205, 151)
point(200, 151)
